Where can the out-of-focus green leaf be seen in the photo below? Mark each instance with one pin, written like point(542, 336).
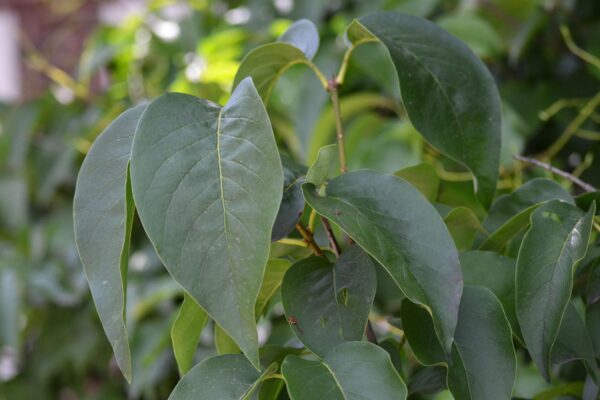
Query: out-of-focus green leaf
point(274, 273)
point(224, 343)
point(423, 177)
point(303, 35)
point(463, 226)
point(325, 167)
point(185, 332)
point(475, 31)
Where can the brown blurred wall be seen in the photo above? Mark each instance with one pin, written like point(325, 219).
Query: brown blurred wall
point(57, 29)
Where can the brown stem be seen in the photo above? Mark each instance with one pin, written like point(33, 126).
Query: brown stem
point(308, 238)
point(332, 241)
point(585, 186)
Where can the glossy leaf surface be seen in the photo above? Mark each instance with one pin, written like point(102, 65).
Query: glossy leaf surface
point(448, 93)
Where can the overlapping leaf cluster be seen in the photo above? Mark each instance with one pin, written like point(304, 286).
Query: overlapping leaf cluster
point(212, 192)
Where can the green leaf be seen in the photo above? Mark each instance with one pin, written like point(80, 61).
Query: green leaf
point(574, 343)
point(103, 213)
point(497, 273)
point(226, 377)
point(510, 213)
point(439, 76)
point(475, 31)
point(350, 371)
point(463, 226)
point(398, 227)
point(303, 35)
point(329, 303)
point(267, 63)
point(550, 250)
point(185, 332)
point(592, 321)
point(427, 381)
point(224, 343)
point(423, 177)
point(292, 201)
point(585, 200)
point(531, 193)
point(207, 182)
point(325, 167)
point(274, 273)
point(592, 287)
point(482, 364)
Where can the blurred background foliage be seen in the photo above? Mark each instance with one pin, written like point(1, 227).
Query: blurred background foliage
point(51, 343)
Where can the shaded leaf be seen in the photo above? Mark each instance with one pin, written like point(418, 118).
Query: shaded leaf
point(497, 273)
point(574, 343)
point(440, 76)
point(556, 241)
point(329, 303)
point(103, 213)
point(274, 273)
point(463, 225)
point(423, 177)
point(292, 201)
point(396, 225)
point(207, 181)
point(350, 371)
point(482, 364)
point(185, 332)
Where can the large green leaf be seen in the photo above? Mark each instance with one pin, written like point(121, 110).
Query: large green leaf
point(303, 35)
point(292, 201)
point(185, 332)
point(497, 273)
point(226, 377)
point(448, 93)
point(330, 303)
point(556, 241)
point(482, 364)
point(463, 226)
point(350, 371)
point(394, 223)
point(207, 182)
point(103, 213)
